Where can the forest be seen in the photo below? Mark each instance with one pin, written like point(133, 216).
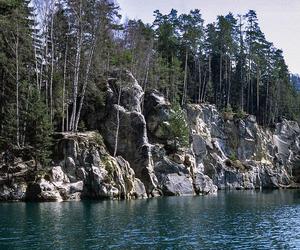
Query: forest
point(55, 56)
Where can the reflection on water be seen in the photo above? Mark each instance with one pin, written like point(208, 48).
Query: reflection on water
point(242, 219)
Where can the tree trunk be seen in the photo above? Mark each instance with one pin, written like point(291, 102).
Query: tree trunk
point(17, 89)
point(242, 88)
point(145, 82)
point(86, 79)
point(67, 113)
point(266, 108)
point(118, 122)
point(36, 68)
point(209, 72)
point(2, 103)
point(77, 69)
point(64, 90)
point(257, 92)
point(229, 82)
point(249, 86)
point(52, 65)
point(200, 83)
point(46, 69)
point(185, 79)
point(220, 81)
point(204, 87)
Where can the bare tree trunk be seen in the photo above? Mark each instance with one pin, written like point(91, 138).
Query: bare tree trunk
point(185, 79)
point(209, 71)
point(220, 81)
point(64, 90)
point(46, 71)
point(204, 87)
point(77, 69)
point(25, 122)
point(52, 63)
point(118, 122)
point(249, 86)
point(257, 92)
point(36, 69)
point(242, 88)
point(200, 83)
point(67, 114)
point(267, 98)
point(241, 62)
point(145, 82)
point(2, 106)
point(17, 89)
point(86, 79)
point(229, 82)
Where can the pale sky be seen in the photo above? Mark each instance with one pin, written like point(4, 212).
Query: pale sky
point(278, 19)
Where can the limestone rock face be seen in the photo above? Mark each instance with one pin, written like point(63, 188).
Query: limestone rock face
point(204, 185)
point(239, 154)
point(100, 175)
point(84, 169)
point(173, 178)
point(225, 152)
point(157, 114)
point(133, 142)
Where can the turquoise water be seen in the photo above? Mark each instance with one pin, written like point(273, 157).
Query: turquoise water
point(233, 220)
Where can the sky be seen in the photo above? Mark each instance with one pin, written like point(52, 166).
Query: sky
point(278, 19)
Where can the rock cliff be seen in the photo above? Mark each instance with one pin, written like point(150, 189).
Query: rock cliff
point(225, 152)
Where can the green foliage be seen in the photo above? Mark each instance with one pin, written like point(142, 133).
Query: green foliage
point(9, 126)
point(233, 156)
point(228, 113)
point(178, 127)
point(122, 59)
point(98, 139)
point(240, 114)
point(39, 129)
point(229, 63)
point(81, 126)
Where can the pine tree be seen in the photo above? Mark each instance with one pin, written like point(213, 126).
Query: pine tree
point(39, 134)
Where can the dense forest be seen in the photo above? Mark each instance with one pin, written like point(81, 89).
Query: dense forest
point(55, 56)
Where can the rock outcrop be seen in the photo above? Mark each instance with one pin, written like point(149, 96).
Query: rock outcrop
point(124, 100)
point(83, 169)
point(225, 152)
point(239, 154)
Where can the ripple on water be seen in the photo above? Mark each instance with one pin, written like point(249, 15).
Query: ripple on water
point(233, 220)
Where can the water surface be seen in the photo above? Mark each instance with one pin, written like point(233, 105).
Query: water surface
point(232, 220)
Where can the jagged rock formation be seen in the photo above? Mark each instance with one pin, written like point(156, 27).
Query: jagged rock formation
point(239, 154)
point(83, 168)
point(132, 138)
point(225, 152)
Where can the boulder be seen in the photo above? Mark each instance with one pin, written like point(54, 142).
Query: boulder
point(204, 185)
point(139, 190)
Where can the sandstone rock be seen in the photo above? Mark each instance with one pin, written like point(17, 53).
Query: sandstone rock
point(139, 190)
point(173, 178)
point(174, 184)
point(42, 191)
point(204, 185)
point(70, 169)
point(178, 158)
point(58, 175)
point(133, 142)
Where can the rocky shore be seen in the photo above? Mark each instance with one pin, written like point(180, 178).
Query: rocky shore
point(225, 152)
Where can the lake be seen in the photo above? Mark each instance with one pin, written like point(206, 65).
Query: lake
point(229, 220)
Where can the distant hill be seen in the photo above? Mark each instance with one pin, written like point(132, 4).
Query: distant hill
point(296, 81)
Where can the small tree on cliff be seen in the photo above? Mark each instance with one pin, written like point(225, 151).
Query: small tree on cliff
point(178, 127)
point(39, 129)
